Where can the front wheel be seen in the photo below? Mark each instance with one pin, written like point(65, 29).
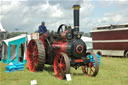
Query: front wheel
point(61, 65)
point(92, 68)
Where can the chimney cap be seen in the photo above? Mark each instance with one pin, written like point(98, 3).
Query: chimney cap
point(76, 7)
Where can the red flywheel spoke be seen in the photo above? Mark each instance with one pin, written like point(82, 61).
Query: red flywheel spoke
point(61, 65)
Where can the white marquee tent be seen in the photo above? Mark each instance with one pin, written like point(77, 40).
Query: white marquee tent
point(88, 41)
point(1, 28)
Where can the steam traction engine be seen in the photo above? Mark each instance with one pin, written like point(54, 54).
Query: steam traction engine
point(62, 49)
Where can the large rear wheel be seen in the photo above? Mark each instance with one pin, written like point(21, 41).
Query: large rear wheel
point(35, 55)
point(92, 68)
point(61, 65)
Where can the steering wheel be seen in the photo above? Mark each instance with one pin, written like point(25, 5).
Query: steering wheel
point(60, 29)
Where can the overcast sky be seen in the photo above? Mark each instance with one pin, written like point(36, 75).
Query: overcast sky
point(27, 15)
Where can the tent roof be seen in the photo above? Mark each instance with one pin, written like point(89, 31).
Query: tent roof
point(1, 28)
point(86, 39)
point(14, 38)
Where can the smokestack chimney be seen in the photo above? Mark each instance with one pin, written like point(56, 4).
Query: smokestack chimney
point(76, 17)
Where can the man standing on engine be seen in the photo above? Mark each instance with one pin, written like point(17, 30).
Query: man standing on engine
point(42, 28)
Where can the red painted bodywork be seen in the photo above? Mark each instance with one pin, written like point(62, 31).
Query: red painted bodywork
point(64, 35)
point(42, 38)
point(62, 46)
point(79, 60)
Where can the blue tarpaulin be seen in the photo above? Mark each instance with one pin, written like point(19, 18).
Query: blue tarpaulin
point(92, 59)
point(15, 67)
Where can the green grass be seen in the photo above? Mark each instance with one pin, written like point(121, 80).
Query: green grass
point(113, 71)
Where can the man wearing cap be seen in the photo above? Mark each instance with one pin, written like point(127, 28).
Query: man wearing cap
point(42, 28)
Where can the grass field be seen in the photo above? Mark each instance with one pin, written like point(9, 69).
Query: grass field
point(113, 71)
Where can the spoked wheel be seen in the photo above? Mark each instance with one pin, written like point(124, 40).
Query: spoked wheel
point(61, 65)
point(92, 68)
point(35, 55)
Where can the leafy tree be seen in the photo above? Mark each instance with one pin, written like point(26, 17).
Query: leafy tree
point(14, 34)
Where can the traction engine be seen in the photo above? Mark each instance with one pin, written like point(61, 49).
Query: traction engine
point(62, 49)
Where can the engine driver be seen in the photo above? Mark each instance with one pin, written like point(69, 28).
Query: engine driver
point(42, 28)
